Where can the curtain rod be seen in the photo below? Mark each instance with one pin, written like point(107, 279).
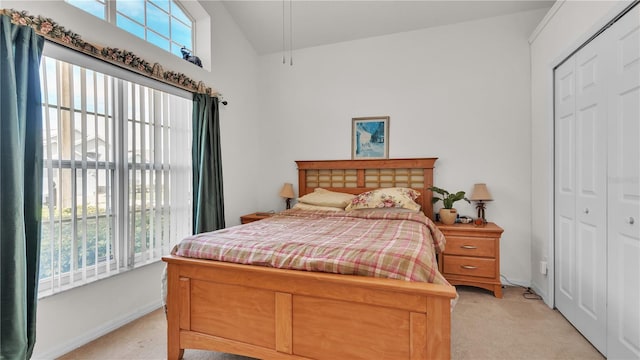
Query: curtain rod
point(52, 31)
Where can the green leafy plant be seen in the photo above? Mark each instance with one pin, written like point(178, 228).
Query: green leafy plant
point(447, 198)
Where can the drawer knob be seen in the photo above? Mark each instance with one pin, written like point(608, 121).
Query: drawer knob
point(468, 267)
point(469, 247)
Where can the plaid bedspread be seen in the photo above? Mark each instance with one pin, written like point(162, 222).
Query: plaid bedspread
point(387, 245)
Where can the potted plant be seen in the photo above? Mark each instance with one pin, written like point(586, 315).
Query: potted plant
point(447, 214)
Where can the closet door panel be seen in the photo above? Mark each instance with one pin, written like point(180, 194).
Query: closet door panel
point(590, 206)
point(581, 191)
point(592, 68)
point(565, 189)
point(624, 191)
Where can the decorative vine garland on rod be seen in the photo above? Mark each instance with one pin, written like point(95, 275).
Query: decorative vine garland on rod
point(123, 58)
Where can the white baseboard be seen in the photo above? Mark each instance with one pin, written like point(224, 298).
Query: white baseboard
point(99, 331)
point(544, 295)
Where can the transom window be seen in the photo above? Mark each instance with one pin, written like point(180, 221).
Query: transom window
point(161, 22)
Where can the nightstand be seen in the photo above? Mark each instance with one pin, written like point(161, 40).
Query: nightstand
point(245, 219)
point(472, 256)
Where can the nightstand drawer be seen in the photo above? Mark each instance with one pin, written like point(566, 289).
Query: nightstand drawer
point(470, 246)
point(469, 266)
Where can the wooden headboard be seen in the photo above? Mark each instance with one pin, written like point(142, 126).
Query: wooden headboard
point(358, 176)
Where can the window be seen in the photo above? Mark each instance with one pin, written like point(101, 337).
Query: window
point(117, 169)
point(161, 22)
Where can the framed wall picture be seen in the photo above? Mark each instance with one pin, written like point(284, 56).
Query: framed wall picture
point(370, 138)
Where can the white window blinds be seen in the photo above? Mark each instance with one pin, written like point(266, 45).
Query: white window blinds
point(117, 170)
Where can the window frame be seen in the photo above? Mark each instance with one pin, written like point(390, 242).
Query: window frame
point(111, 16)
point(123, 236)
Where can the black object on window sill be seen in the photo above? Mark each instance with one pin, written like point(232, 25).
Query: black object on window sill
point(186, 54)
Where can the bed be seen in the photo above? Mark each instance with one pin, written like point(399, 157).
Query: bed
point(272, 313)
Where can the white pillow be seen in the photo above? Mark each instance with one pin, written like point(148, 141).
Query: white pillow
point(303, 206)
point(323, 197)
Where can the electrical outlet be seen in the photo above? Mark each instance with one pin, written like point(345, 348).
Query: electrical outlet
point(543, 268)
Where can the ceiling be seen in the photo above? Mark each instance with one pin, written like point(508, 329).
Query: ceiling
point(330, 21)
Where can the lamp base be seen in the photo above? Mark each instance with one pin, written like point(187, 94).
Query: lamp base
point(481, 219)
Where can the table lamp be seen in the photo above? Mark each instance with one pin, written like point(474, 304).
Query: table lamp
point(287, 193)
point(480, 194)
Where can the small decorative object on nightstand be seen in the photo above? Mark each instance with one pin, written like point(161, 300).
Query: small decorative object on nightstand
point(480, 194)
point(447, 213)
point(472, 256)
point(287, 193)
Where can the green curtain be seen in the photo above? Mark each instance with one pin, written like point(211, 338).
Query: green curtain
point(208, 202)
point(20, 186)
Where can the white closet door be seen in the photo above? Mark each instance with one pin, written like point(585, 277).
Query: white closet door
point(565, 193)
point(582, 239)
point(592, 74)
point(624, 190)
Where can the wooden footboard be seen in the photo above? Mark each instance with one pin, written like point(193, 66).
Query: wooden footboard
point(286, 314)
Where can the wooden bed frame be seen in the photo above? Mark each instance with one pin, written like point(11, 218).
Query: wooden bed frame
point(287, 314)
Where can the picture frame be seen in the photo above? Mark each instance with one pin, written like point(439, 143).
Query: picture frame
point(370, 137)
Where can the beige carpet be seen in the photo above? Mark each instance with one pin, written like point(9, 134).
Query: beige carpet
point(483, 327)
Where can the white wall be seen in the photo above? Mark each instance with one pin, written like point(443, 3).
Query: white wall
point(234, 73)
point(460, 93)
point(72, 318)
point(568, 25)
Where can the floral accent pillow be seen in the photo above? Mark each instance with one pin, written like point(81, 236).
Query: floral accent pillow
point(386, 198)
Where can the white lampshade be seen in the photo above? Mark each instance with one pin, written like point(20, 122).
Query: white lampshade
point(480, 193)
point(287, 191)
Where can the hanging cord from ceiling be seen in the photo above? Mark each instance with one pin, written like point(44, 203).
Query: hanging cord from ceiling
point(291, 32)
point(284, 51)
point(284, 61)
